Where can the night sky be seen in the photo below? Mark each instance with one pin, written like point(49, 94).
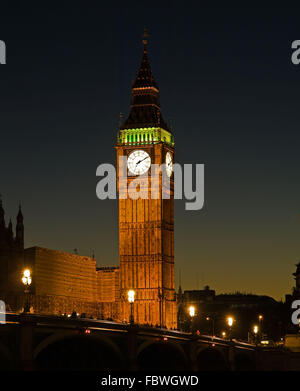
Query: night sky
point(229, 88)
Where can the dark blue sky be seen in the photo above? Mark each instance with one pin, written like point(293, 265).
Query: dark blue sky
point(228, 86)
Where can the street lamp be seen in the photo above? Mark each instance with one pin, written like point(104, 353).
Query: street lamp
point(260, 320)
point(131, 294)
point(26, 280)
point(213, 325)
point(230, 321)
point(255, 330)
point(192, 313)
point(223, 334)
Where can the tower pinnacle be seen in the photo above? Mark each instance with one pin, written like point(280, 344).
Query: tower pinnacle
point(20, 215)
point(20, 229)
point(2, 213)
point(145, 40)
point(145, 107)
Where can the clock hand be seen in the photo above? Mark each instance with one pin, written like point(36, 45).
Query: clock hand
point(141, 160)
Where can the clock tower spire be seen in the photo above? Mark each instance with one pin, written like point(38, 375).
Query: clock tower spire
point(145, 107)
point(146, 225)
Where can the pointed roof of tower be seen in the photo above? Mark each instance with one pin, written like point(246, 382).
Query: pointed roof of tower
point(145, 107)
point(2, 213)
point(179, 288)
point(20, 217)
point(10, 230)
point(145, 77)
point(297, 270)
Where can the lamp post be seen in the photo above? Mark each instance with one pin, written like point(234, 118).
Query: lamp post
point(212, 323)
point(26, 280)
point(260, 320)
point(255, 331)
point(131, 294)
point(230, 321)
point(192, 313)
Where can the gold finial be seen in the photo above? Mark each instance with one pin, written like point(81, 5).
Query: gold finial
point(145, 39)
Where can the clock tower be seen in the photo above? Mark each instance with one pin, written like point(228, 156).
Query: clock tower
point(146, 224)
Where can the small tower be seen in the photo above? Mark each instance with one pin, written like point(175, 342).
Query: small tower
point(11, 259)
point(20, 230)
point(180, 306)
point(297, 279)
point(179, 294)
point(3, 231)
point(2, 213)
point(10, 234)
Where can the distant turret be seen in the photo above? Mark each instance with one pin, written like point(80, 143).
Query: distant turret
point(3, 238)
point(179, 294)
point(10, 234)
point(20, 230)
point(2, 213)
point(297, 278)
point(11, 257)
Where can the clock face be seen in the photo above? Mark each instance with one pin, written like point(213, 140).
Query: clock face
point(139, 162)
point(169, 164)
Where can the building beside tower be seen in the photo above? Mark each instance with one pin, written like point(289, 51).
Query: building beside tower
point(64, 282)
point(11, 256)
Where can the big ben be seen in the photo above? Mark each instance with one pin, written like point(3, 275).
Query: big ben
point(146, 224)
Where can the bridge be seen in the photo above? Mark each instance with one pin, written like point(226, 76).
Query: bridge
point(37, 342)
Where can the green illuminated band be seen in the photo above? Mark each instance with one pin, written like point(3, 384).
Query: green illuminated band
point(142, 136)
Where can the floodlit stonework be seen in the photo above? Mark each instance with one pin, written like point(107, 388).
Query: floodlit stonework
point(146, 226)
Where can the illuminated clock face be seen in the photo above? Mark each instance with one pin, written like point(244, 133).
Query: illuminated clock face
point(169, 164)
point(139, 162)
